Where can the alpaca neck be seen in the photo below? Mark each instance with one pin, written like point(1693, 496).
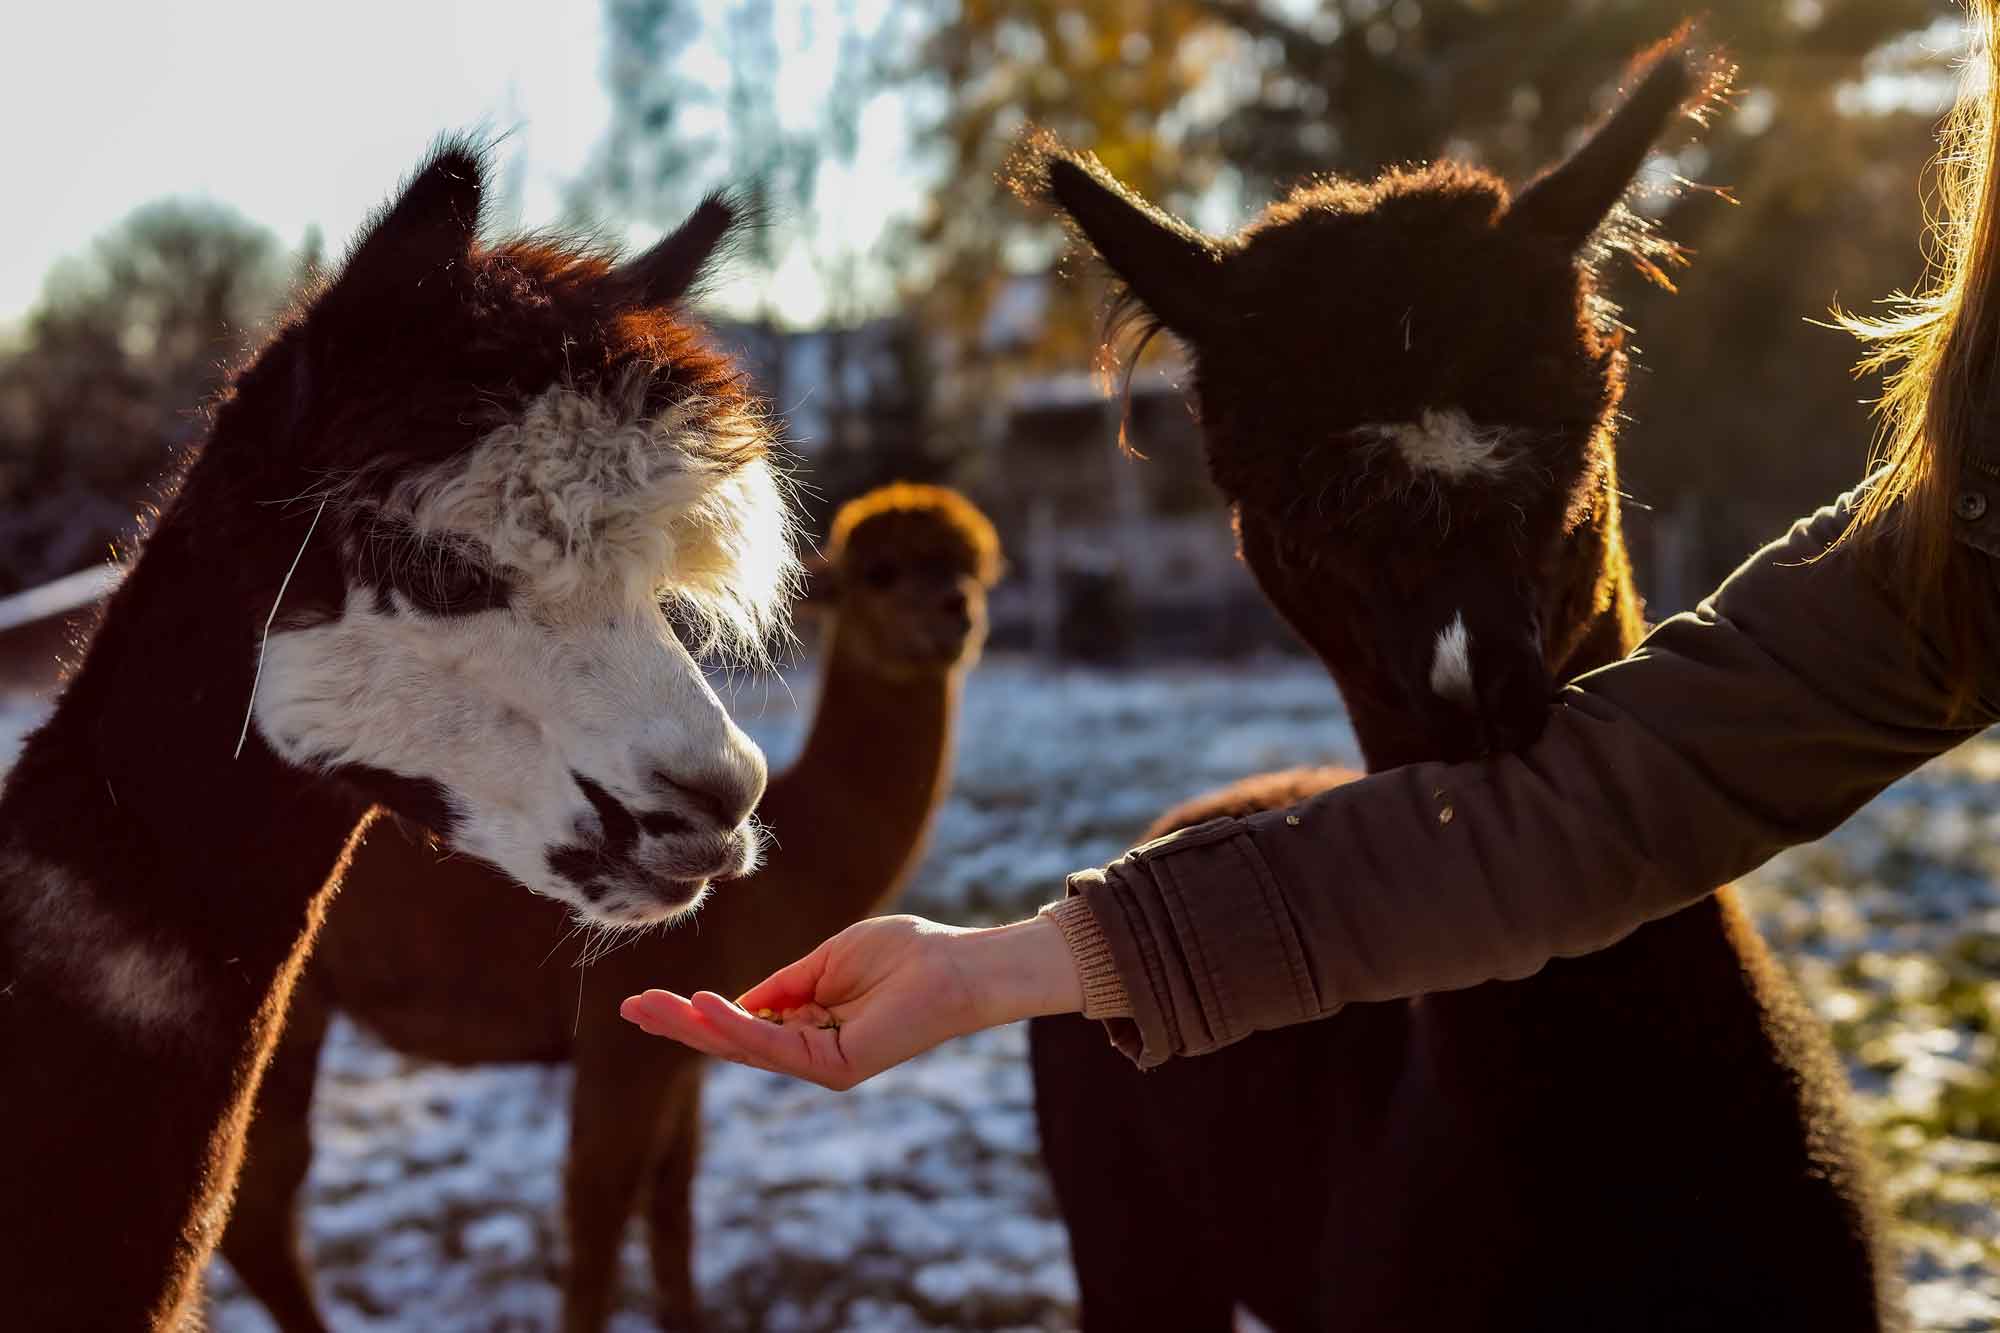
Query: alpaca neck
point(1617, 617)
point(162, 816)
point(156, 898)
point(850, 814)
point(1595, 615)
point(1610, 633)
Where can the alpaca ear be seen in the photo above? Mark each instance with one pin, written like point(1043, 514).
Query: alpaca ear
point(431, 225)
point(1169, 266)
point(672, 268)
point(1570, 200)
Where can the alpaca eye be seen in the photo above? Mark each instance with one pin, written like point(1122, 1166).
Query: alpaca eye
point(460, 581)
point(446, 582)
point(881, 574)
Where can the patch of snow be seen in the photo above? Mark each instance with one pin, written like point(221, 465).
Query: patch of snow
point(917, 1202)
point(19, 715)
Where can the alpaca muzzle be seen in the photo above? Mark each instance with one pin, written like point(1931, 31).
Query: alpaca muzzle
point(1487, 689)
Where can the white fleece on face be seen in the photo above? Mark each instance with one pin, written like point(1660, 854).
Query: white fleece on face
point(1445, 443)
point(593, 514)
point(500, 708)
point(584, 494)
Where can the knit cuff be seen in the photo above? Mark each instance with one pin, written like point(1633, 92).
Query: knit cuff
point(1104, 994)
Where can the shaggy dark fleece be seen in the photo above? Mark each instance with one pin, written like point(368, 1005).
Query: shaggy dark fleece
point(1408, 393)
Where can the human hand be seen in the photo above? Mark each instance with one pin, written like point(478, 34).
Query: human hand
point(871, 997)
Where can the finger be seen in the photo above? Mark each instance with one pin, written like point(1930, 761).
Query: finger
point(652, 1005)
point(656, 1004)
point(790, 986)
point(733, 1023)
point(665, 1014)
point(801, 1050)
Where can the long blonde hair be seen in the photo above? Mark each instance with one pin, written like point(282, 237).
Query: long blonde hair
point(1937, 348)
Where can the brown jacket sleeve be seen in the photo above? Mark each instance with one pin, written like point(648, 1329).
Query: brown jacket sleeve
point(1760, 720)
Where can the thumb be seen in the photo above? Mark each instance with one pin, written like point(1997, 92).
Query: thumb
point(790, 986)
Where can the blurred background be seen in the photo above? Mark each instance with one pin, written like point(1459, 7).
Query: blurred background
point(174, 169)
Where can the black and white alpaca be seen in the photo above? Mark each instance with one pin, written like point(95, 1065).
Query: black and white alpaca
point(409, 951)
point(419, 564)
point(1407, 391)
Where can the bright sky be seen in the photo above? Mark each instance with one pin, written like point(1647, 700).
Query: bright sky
point(300, 114)
point(294, 115)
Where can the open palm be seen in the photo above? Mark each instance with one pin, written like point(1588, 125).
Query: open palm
point(871, 997)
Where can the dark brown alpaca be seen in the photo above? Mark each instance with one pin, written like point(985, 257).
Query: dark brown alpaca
point(429, 955)
point(459, 475)
point(1407, 391)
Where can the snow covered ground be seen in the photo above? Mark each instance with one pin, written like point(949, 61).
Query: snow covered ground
point(19, 714)
point(917, 1201)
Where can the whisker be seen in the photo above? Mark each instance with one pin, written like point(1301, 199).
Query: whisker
point(567, 936)
point(264, 644)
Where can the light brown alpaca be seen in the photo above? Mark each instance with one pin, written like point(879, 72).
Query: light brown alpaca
point(427, 954)
point(457, 479)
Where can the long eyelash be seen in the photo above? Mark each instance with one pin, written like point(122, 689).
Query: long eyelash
point(397, 556)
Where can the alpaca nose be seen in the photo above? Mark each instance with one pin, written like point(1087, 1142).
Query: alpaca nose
point(723, 786)
point(727, 798)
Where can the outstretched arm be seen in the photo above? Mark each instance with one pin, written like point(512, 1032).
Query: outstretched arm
point(874, 995)
point(1762, 720)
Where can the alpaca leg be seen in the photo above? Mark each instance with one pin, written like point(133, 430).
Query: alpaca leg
point(261, 1241)
point(614, 1118)
point(670, 1208)
point(1142, 1261)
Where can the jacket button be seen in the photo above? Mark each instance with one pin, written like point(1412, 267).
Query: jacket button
point(1971, 506)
